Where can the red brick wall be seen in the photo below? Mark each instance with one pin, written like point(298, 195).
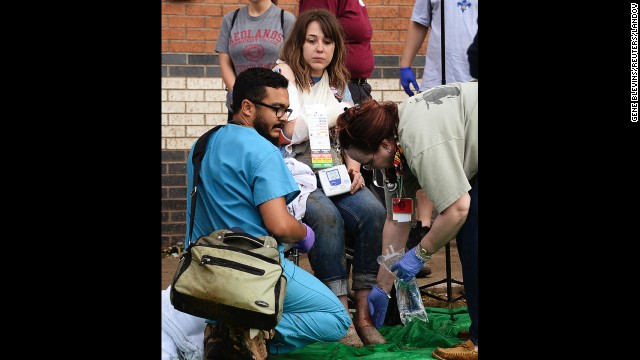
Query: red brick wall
point(192, 26)
point(193, 93)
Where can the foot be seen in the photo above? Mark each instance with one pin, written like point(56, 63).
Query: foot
point(352, 339)
point(370, 335)
point(222, 342)
point(462, 351)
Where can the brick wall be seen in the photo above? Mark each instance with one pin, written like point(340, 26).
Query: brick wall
point(193, 93)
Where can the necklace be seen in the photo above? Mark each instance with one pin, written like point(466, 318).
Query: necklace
point(400, 166)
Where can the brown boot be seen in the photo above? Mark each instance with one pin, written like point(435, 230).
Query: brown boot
point(462, 351)
point(231, 343)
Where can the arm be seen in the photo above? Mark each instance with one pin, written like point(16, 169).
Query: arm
point(282, 225)
point(227, 70)
point(396, 234)
point(447, 224)
point(353, 168)
point(415, 37)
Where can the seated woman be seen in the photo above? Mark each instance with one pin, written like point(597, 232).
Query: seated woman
point(312, 59)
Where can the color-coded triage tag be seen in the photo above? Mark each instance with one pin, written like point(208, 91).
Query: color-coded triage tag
point(316, 117)
point(402, 209)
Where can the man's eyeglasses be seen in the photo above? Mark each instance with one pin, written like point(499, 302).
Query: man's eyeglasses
point(280, 112)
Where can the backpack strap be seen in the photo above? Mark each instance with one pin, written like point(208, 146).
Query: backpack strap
point(235, 14)
point(282, 19)
point(196, 159)
point(233, 20)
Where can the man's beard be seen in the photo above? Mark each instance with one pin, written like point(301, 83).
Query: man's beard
point(264, 129)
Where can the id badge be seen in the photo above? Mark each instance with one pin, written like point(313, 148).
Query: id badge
point(402, 209)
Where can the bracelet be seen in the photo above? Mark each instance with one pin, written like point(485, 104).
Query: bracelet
point(421, 253)
point(384, 291)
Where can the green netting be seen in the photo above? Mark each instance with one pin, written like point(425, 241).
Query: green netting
point(416, 340)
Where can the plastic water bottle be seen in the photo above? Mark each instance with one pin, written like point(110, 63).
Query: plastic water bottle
point(410, 304)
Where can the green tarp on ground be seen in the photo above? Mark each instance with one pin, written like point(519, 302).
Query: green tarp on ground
point(415, 340)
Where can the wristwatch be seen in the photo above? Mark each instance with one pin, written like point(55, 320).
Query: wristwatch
point(422, 254)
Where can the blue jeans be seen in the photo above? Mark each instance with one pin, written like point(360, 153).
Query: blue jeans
point(311, 312)
point(467, 241)
point(362, 216)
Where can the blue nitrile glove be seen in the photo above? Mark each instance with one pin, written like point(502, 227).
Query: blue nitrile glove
point(378, 301)
point(407, 77)
point(306, 244)
point(408, 266)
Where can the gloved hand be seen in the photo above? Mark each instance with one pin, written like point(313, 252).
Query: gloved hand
point(407, 77)
point(378, 301)
point(306, 244)
point(408, 266)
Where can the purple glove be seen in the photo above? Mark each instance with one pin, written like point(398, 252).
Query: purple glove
point(408, 266)
point(306, 244)
point(378, 301)
point(407, 77)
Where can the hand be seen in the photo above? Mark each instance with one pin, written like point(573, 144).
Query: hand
point(378, 301)
point(306, 244)
point(408, 266)
point(357, 180)
point(407, 77)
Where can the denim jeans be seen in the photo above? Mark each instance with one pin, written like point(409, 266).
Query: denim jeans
point(467, 241)
point(362, 216)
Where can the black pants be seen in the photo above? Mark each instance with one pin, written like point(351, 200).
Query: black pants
point(360, 91)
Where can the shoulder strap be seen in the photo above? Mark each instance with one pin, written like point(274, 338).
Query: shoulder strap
point(196, 159)
point(233, 20)
point(282, 20)
point(235, 14)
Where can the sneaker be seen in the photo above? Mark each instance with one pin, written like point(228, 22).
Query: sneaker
point(462, 351)
point(232, 343)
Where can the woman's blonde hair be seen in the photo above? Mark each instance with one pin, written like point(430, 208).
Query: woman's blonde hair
point(291, 52)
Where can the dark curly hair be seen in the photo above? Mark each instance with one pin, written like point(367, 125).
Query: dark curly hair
point(252, 83)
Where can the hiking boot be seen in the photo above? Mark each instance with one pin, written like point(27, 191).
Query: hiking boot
point(232, 343)
point(462, 351)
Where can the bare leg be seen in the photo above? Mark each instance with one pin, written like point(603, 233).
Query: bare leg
point(351, 338)
point(425, 208)
point(364, 326)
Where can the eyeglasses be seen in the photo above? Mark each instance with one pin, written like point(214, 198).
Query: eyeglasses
point(280, 112)
point(367, 166)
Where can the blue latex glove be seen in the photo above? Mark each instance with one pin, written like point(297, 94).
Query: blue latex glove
point(306, 244)
point(378, 302)
point(408, 266)
point(407, 77)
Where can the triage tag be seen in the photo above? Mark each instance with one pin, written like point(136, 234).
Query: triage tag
point(402, 209)
point(316, 117)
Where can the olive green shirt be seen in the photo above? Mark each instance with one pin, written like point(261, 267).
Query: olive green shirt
point(438, 131)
